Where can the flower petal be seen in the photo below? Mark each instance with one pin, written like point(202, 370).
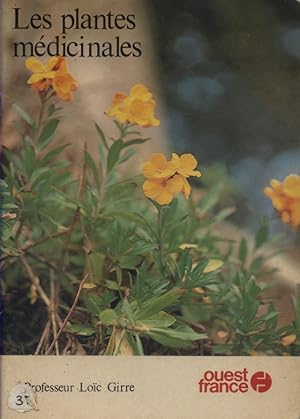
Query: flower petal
point(186, 188)
point(159, 160)
point(34, 65)
point(151, 188)
point(187, 165)
point(52, 63)
point(164, 198)
point(213, 265)
point(140, 91)
point(291, 186)
point(295, 214)
point(188, 161)
point(174, 185)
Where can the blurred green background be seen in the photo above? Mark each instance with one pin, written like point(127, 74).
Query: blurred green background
point(229, 71)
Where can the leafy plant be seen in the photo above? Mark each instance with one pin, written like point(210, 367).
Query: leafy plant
point(97, 268)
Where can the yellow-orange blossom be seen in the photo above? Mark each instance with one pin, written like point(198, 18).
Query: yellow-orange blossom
point(285, 198)
point(136, 108)
point(165, 179)
point(54, 74)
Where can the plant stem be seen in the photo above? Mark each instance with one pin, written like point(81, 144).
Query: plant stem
point(68, 315)
point(118, 346)
point(160, 240)
point(40, 119)
point(43, 338)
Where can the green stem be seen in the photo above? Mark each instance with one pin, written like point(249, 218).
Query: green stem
point(139, 344)
point(160, 240)
point(40, 119)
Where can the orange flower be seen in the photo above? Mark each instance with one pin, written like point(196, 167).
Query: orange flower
point(137, 108)
point(53, 74)
point(285, 198)
point(163, 190)
point(158, 167)
point(63, 82)
point(40, 71)
point(165, 179)
point(185, 165)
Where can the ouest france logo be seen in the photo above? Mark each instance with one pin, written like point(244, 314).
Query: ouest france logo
point(239, 381)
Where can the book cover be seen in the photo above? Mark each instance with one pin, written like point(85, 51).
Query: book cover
point(150, 209)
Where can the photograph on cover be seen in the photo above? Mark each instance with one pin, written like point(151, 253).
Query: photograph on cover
point(150, 184)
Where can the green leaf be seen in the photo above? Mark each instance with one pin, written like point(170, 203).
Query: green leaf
point(92, 166)
point(79, 329)
point(210, 199)
point(127, 155)
point(94, 304)
point(262, 235)
point(53, 153)
point(108, 317)
point(112, 285)
point(224, 213)
point(139, 345)
point(257, 264)
point(101, 135)
point(30, 162)
point(135, 142)
point(268, 316)
point(221, 349)
point(114, 154)
point(11, 251)
point(136, 217)
point(24, 115)
point(96, 262)
point(52, 109)
point(155, 304)
point(6, 229)
point(296, 304)
point(128, 312)
point(47, 134)
point(3, 184)
point(38, 174)
point(160, 320)
point(179, 337)
point(243, 250)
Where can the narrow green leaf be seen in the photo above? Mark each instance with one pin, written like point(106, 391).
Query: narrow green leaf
point(269, 316)
point(112, 285)
point(179, 337)
point(210, 199)
point(92, 166)
point(128, 312)
point(135, 142)
point(155, 304)
point(30, 162)
point(101, 135)
point(38, 174)
point(114, 154)
point(24, 115)
point(221, 349)
point(257, 264)
point(94, 304)
point(139, 345)
point(127, 155)
point(53, 153)
point(243, 250)
point(161, 320)
point(262, 235)
point(79, 329)
point(47, 134)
